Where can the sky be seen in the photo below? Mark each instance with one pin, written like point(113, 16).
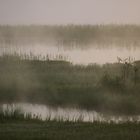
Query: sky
point(69, 12)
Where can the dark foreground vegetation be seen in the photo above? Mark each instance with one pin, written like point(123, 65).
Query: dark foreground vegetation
point(15, 125)
point(68, 131)
point(111, 88)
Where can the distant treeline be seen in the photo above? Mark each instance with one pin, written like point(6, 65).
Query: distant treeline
point(71, 35)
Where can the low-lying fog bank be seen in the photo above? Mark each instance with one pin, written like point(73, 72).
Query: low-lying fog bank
point(90, 55)
point(44, 112)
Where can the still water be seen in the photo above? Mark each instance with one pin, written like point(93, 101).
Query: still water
point(76, 55)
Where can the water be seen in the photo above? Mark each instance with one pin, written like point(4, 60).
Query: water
point(76, 55)
point(71, 114)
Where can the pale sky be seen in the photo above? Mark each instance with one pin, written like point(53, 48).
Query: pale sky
point(69, 11)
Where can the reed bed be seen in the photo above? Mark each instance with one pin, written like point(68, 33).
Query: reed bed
point(112, 88)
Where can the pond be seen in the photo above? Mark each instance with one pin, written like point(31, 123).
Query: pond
point(76, 55)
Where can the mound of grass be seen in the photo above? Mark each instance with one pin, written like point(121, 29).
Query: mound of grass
point(60, 83)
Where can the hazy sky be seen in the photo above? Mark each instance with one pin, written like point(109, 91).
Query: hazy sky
point(69, 11)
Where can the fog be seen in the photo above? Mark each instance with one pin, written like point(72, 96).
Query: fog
point(66, 114)
point(69, 11)
point(91, 55)
point(106, 88)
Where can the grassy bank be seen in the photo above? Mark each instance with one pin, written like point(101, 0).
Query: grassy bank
point(15, 125)
point(68, 131)
point(111, 88)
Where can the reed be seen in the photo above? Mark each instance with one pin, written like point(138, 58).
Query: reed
point(60, 83)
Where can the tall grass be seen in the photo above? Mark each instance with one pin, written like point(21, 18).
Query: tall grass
point(60, 83)
point(10, 113)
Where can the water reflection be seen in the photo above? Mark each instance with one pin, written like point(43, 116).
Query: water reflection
point(94, 54)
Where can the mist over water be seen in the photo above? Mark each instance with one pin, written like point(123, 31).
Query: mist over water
point(103, 88)
point(76, 55)
point(79, 44)
point(67, 114)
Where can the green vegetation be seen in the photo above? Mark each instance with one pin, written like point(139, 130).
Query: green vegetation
point(15, 125)
point(11, 114)
point(71, 35)
point(110, 88)
point(68, 131)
